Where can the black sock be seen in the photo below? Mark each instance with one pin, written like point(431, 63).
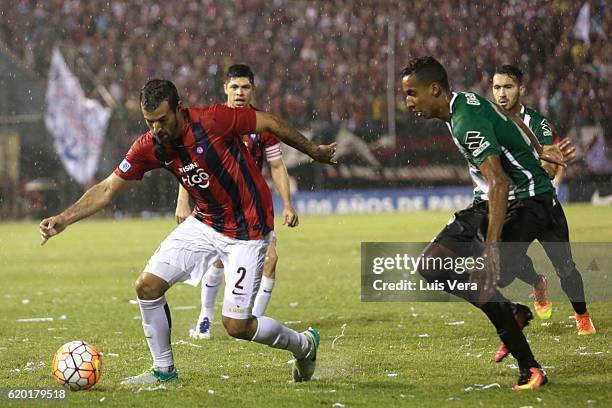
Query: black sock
point(502, 317)
point(572, 285)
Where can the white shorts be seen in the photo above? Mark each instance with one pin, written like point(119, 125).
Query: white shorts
point(187, 252)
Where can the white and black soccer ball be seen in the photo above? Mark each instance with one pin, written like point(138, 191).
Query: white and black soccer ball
point(77, 365)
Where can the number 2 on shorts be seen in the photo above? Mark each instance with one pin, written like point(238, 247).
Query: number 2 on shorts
point(242, 271)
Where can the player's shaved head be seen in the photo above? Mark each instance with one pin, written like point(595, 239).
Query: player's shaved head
point(427, 70)
point(512, 71)
point(240, 71)
point(156, 91)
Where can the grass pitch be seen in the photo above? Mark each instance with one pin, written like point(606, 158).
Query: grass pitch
point(371, 354)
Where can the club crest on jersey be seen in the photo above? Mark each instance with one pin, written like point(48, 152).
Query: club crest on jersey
point(125, 165)
point(476, 143)
point(199, 149)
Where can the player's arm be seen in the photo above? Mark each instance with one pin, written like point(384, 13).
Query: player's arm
point(569, 155)
point(281, 182)
point(94, 199)
point(498, 183)
point(183, 209)
point(477, 138)
point(289, 135)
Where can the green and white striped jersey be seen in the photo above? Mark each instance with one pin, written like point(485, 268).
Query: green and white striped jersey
point(538, 124)
point(480, 129)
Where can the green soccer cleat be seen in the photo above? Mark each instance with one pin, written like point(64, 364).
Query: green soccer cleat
point(152, 376)
point(304, 368)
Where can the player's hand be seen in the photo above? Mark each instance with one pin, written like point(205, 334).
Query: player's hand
point(552, 154)
point(50, 227)
point(182, 212)
point(325, 154)
point(567, 149)
point(487, 277)
point(290, 217)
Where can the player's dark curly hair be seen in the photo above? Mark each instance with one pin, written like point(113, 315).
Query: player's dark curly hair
point(427, 69)
point(511, 71)
point(156, 91)
point(240, 71)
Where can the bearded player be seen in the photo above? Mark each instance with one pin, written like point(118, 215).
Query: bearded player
point(202, 148)
point(508, 89)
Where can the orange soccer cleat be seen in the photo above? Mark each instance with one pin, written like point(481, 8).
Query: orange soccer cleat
point(584, 324)
point(533, 377)
point(543, 308)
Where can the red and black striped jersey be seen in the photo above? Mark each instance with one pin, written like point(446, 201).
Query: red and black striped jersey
point(212, 163)
point(261, 145)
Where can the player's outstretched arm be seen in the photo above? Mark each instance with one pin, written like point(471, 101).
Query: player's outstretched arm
point(289, 135)
point(94, 199)
point(183, 210)
point(281, 182)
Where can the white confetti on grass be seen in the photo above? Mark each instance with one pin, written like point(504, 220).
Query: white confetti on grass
point(225, 377)
point(392, 375)
point(102, 399)
point(185, 343)
point(343, 327)
point(35, 319)
point(480, 387)
point(424, 335)
point(292, 322)
point(211, 392)
point(460, 323)
point(191, 307)
point(294, 304)
point(338, 405)
point(160, 387)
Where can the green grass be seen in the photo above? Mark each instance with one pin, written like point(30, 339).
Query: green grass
point(87, 274)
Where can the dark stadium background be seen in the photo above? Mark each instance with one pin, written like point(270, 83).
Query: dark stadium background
point(323, 66)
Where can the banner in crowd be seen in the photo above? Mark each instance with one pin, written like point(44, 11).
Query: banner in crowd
point(78, 124)
point(377, 200)
point(383, 200)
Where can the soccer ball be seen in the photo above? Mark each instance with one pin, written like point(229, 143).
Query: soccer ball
point(77, 365)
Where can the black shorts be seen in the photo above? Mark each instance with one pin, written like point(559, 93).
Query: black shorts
point(526, 220)
point(462, 234)
point(556, 242)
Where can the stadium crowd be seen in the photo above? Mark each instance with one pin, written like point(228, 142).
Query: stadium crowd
point(324, 60)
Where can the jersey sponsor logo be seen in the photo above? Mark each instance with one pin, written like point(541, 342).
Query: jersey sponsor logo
point(546, 128)
point(471, 99)
point(194, 176)
point(125, 165)
point(200, 178)
point(188, 168)
point(476, 143)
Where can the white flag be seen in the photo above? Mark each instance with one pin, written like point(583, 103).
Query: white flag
point(582, 28)
point(78, 124)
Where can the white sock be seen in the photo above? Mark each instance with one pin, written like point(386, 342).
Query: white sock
point(211, 283)
point(263, 296)
point(157, 324)
point(273, 334)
